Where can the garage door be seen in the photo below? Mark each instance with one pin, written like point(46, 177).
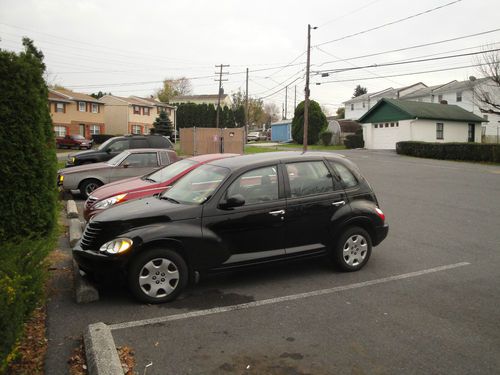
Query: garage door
point(385, 136)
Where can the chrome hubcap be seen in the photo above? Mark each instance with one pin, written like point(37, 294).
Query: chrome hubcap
point(355, 250)
point(159, 277)
point(90, 188)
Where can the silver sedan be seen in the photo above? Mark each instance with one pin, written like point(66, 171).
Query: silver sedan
point(131, 163)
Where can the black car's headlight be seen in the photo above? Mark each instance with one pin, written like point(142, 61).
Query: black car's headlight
point(117, 246)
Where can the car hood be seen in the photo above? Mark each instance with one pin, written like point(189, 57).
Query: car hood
point(83, 168)
point(84, 153)
point(145, 211)
point(124, 186)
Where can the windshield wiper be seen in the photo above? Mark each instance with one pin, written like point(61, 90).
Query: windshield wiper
point(169, 199)
point(148, 179)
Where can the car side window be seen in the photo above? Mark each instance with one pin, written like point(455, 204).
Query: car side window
point(256, 186)
point(164, 158)
point(347, 177)
point(309, 178)
point(147, 159)
point(120, 145)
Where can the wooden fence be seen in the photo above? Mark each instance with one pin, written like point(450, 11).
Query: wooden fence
point(199, 141)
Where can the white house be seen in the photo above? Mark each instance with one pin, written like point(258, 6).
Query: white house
point(461, 93)
point(391, 121)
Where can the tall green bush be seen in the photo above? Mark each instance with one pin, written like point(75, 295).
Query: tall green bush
point(317, 123)
point(28, 195)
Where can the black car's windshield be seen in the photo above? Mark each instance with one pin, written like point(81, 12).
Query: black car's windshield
point(170, 171)
point(198, 186)
point(104, 146)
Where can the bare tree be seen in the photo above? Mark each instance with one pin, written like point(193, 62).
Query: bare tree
point(174, 87)
point(486, 93)
point(273, 112)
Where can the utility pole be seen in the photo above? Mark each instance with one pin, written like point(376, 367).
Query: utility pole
point(246, 108)
point(286, 101)
point(220, 88)
point(295, 99)
point(306, 100)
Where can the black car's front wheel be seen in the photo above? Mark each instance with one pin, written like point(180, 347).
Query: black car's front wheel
point(158, 275)
point(353, 249)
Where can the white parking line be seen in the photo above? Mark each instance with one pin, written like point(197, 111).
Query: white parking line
point(293, 297)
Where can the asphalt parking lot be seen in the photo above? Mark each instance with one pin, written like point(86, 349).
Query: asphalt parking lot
point(427, 302)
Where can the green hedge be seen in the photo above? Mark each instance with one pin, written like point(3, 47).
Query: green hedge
point(28, 194)
point(451, 151)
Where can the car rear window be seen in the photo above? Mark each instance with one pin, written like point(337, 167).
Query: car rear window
point(347, 177)
point(160, 142)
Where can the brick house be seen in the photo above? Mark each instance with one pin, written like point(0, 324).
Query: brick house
point(76, 113)
point(133, 115)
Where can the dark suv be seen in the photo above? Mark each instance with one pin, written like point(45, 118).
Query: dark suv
point(116, 145)
point(236, 212)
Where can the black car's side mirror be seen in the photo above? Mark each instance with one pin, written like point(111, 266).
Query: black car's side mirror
point(233, 201)
point(108, 150)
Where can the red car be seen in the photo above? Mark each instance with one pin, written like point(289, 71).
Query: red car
point(74, 141)
point(147, 185)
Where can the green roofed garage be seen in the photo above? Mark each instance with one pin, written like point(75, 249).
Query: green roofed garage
point(391, 121)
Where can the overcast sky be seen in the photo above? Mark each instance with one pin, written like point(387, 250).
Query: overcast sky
point(129, 47)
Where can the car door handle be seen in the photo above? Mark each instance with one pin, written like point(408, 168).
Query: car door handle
point(338, 203)
point(276, 213)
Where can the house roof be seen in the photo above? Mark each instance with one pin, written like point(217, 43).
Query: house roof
point(72, 96)
point(198, 97)
point(154, 102)
point(132, 101)
point(394, 110)
point(388, 92)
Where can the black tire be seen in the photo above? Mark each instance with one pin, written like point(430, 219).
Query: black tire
point(168, 263)
point(88, 186)
point(353, 249)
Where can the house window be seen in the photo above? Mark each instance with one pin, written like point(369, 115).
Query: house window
point(60, 131)
point(376, 126)
point(137, 110)
point(386, 124)
point(146, 111)
point(95, 108)
point(397, 124)
point(432, 98)
point(81, 106)
point(95, 129)
point(392, 124)
point(352, 107)
point(439, 130)
point(136, 129)
point(485, 117)
point(459, 96)
point(60, 107)
point(363, 104)
point(440, 98)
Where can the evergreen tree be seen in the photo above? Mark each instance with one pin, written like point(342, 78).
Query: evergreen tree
point(317, 123)
point(163, 125)
point(359, 90)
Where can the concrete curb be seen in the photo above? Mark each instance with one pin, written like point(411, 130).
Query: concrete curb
point(85, 292)
point(72, 211)
point(100, 350)
point(75, 231)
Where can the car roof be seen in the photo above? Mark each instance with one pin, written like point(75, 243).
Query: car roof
point(265, 157)
point(205, 158)
point(138, 150)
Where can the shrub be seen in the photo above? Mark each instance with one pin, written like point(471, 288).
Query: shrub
point(28, 195)
point(451, 151)
point(101, 138)
point(317, 123)
point(326, 138)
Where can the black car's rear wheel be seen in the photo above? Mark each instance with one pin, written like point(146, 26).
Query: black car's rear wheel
point(353, 249)
point(158, 275)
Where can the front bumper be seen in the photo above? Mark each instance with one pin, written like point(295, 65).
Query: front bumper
point(96, 262)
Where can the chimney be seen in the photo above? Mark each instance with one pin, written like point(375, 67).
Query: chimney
point(443, 102)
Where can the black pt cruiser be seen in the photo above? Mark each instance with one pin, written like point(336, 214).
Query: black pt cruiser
point(236, 212)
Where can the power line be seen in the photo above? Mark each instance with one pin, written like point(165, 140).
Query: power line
point(407, 62)
point(401, 75)
point(413, 47)
point(389, 23)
